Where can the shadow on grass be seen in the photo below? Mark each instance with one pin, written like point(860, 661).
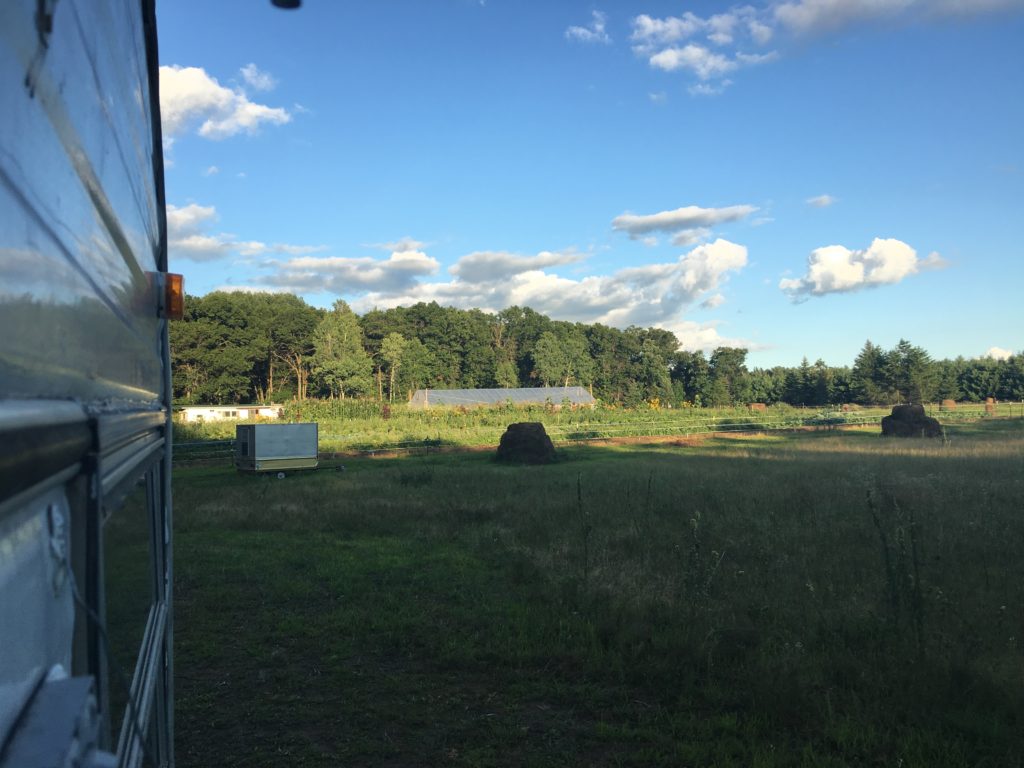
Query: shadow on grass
point(794, 599)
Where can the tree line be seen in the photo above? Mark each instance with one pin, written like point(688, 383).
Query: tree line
point(258, 347)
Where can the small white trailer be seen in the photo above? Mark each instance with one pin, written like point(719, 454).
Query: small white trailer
point(276, 447)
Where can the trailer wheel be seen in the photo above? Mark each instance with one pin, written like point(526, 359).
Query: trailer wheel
point(280, 475)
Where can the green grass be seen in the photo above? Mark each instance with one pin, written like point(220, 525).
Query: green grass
point(802, 599)
point(347, 426)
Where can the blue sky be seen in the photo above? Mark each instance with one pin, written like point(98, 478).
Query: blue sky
point(794, 177)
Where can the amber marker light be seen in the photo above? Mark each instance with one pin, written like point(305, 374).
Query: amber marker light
point(174, 296)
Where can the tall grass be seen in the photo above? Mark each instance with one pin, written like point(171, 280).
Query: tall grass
point(800, 599)
point(347, 425)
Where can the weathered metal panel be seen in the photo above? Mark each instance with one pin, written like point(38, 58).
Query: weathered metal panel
point(79, 217)
point(269, 447)
point(285, 441)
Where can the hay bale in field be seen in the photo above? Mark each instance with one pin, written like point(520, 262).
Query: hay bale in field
point(758, 407)
point(526, 442)
point(910, 421)
point(948, 405)
point(990, 405)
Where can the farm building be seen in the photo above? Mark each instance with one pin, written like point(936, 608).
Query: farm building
point(203, 413)
point(472, 398)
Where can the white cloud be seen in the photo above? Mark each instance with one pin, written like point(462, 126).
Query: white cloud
point(704, 337)
point(704, 63)
point(257, 78)
point(592, 33)
point(189, 97)
point(691, 223)
point(213, 170)
point(485, 266)
point(721, 27)
point(188, 219)
point(649, 32)
point(256, 248)
point(185, 236)
point(681, 43)
point(340, 275)
point(932, 261)
point(821, 201)
point(998, 353)
point(707, 89)
point(713, 302)
point(752, 59)
point(188, 238)
point(401, 244)
point(760, 33)
point(835, 269)
point(803, 16)
point(691, 236)
point(658, 97)
point(493, 280)
point(815, 16)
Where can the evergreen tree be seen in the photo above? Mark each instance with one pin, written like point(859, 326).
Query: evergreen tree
point(821, 391)
point(910, 373)
point(867, 379)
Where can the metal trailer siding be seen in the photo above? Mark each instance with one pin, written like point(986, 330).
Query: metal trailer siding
point(81, 209)
point(84, 359)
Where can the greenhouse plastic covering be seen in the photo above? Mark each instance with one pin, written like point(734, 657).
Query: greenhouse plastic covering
point(429, 398)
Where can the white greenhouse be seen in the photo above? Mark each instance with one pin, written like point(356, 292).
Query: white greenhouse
point(474, 398)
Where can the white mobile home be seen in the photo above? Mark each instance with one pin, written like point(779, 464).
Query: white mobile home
point(202, 413)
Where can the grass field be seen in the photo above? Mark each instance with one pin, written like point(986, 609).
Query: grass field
point(813, 598)
point(363, 426)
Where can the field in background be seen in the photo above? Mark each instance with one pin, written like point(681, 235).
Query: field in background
point(811, 598)
point(365, 426)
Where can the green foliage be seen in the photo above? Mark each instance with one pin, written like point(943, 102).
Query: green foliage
point(867, 378)
point(690, 370)
point(391, 350)
point(235, 347)
point(563, 358)
point(730, 381)
point(341, 367)
point(909, 372)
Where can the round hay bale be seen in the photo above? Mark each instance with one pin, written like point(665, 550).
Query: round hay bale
point(909, 412)
point(526, 442)
point(990, 407)
point(758, 407)
point(948, 405)
point(910, 421)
